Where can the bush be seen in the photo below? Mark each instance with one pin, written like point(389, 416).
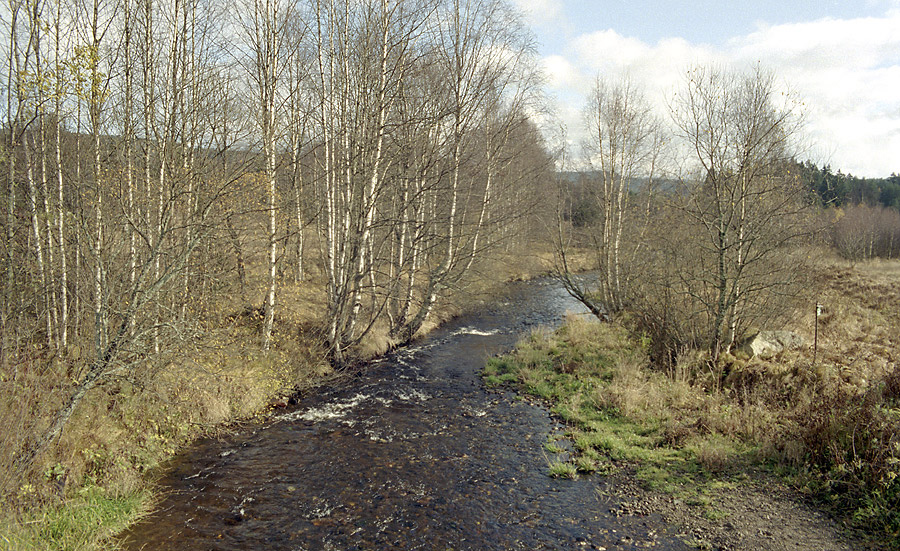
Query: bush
point(852, 442)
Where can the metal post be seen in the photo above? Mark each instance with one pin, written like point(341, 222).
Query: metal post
point(816, 337)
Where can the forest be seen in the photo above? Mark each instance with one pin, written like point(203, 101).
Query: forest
point(170, 168)
point(204, 209)
point(865, 211)
point(837, 189)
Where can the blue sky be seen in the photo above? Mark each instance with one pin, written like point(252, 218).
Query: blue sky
point(698, 21)
point(842, 59)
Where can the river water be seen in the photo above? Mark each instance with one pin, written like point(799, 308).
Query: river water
point(413, 453)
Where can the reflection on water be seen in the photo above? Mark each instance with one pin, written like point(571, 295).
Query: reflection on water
point(412, 454)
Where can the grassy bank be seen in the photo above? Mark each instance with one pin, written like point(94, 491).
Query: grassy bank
point(96, 480)
point(830, 425)
point(597, 380)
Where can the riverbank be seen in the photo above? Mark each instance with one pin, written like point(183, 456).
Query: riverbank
point(736, 455)
point(99, 478)
point(411, 453)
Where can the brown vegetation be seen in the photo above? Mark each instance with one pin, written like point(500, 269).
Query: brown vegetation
point(706, 257)
point(862, 232)
point(205, 208)
point(828, 419)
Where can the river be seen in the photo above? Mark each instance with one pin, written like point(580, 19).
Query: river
point(413, 453)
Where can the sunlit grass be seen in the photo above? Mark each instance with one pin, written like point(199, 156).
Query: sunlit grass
point(827, 423)
point(85, 522)
point(597, 380)
point(562, 469)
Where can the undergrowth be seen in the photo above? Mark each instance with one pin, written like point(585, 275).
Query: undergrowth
point(832, 426)
point(595, 378)
point(92, 483)
point(87, 519)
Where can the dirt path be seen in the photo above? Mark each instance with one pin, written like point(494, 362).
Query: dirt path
point(758, 514)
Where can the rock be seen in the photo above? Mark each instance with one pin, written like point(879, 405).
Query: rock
point(766, 344)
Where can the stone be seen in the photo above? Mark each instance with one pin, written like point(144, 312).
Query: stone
point(766, 344)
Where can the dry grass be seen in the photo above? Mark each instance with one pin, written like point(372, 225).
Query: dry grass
point(832, 417)
point(128, 426)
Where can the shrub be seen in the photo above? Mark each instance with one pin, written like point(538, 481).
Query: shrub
point(852, 442)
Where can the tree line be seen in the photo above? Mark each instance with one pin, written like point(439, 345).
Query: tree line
point(836, 189)
point(865, 212)
point(387, 144)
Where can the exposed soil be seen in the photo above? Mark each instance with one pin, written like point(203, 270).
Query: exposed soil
point(754, 511)
point(760, 513)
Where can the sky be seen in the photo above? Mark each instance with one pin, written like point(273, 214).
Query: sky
point(841, 59)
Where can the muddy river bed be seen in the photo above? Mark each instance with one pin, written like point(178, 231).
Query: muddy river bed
point(413, 453)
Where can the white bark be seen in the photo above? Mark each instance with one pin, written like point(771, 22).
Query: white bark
point(60, 188)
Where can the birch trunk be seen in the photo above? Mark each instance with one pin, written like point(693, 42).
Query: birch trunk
point(60, 189)
point(38, 237)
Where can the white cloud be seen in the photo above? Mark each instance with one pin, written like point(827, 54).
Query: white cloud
point(847, 73)
point(560, 72)
point(864, 42)
point(608, 49)
point(541, 13)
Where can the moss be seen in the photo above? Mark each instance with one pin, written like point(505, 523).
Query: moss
point(598, 381)
point(831, 424)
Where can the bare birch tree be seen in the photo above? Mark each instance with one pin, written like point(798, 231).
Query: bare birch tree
point(184, 183)
point(624, 152)
point(130, 154)
point(481, 58)
point(364, 54)
point(266, 33)
point(746, 205)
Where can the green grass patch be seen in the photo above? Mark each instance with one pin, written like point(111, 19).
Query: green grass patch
point(693, 428)
point(562, 469)
point(597, 380)
point(827, 426)
point(553, 447)
point(585, 464)
point(86, 521)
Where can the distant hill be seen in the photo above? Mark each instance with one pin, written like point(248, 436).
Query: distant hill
point(575, 178)
point(833, 189)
